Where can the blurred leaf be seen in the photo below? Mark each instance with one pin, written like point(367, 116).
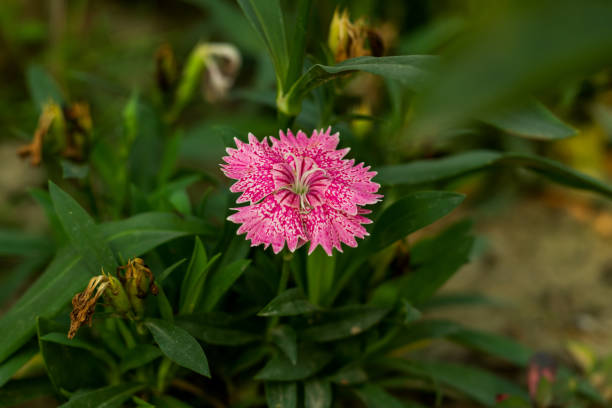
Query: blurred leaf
point(108, 397)
point(136, 235)
point(429, 171)
point(69, 368)
point(85, 237)
point(43, 87)
point(72, 170)
point(266, 17)
point(412, 71)
point(21, 391)
point(291, 302)
point(166, 401)
point(281, 394)
point(43, 198)
point(317, 394)
point(477, 384)
point(460, 299)
point(210, 331)
point(286, 339)
point(225, 14)
point(532, 120)
point(220, 281)
point(279, 368)
point(511, 54)
point(374, 396)
point(349, 375)
point(179, 346)
point(428, 39)
point(493, 344)
point(23, 244)
point(13, 364)
point(344, 322)
point(139, 356)
point(13, 280)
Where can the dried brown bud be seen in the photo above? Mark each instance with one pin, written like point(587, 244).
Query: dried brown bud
point(84, 304)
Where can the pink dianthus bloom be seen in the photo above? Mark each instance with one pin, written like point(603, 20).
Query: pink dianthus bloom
point(300, 189)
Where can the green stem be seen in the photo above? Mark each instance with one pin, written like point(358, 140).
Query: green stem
point(126, 333)
point(282, 285)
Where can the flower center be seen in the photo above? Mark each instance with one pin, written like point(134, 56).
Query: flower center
point(300, 183)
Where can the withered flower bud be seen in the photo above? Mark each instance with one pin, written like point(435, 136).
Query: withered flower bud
point(78, 129)
point(349, 39)
point(165, 68)
point(50, 113)
point(138, 282)
point(84, 303)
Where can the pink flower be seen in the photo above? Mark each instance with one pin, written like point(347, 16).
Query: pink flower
point(300, 189)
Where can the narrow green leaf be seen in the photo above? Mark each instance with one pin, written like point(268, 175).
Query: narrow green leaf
point(493, 344)
point(320, 272)
point(291, 302)
point(138, 234)
point(317, 394)
point(281, 394)
point(19, 243)
point(179, 346)
point(163, 304)
point(221, 281)
point(139, 356)
point(280, 368)
point(13, 364)
point(344, 322)
point(109, 397)
point(211, 331)
point(410, 214)
point(530, 119)
point(266, 17)
point(197, 266)
point(61, 338)
point(374, 396)
point(477, 384)
point(429, 171)
point(286, 339)
point(15, 279)
point(168, 271)
point(195, 292)
point(86, 238)
point(412, 71)
point(43, 88)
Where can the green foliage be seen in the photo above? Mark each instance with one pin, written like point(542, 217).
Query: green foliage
point(288, 329)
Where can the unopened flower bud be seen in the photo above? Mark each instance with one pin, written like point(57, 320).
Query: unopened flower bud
point(138, 283)
point(116, 296)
